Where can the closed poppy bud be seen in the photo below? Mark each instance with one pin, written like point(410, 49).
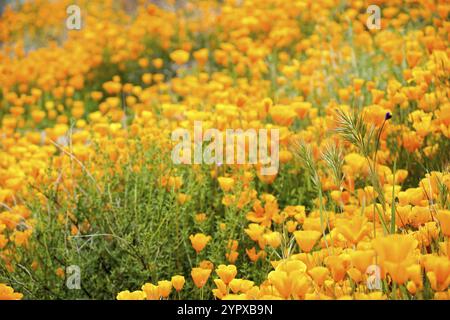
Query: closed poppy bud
point(232, 245)
point(200, 276)
point(226, 273)
point(60, 272)
point(232, 256)
point(411, 286)
point(400, 176)
point(34, 265)
point(178, 282)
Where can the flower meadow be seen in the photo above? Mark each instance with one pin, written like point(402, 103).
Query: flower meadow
point(92, 205)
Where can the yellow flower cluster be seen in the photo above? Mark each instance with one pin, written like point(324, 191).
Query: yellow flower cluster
point(360, 206)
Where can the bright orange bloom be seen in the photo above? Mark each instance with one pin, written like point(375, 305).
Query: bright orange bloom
point(164, 287)
point(289, 279)
point(151, 291)
point(319, 274)
point(353, 230)
point(226, 273)
point(438, 272)
point(306, 239)
point(200, 276)
point(199, 241)
point(396, 253)
point(127, 295)
point(7, 293)
point(178, 282)
point(444, 220)
point(226, 184)
point(180, 56)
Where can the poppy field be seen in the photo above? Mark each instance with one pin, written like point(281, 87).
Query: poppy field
point(99, 199)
